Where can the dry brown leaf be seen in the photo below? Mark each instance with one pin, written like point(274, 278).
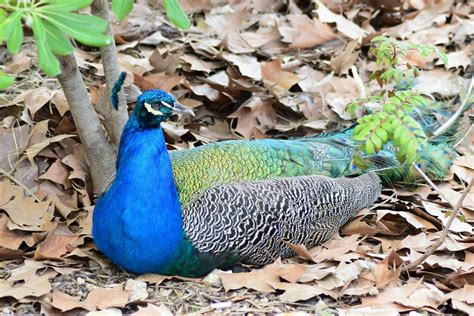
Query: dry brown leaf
point(276, 79)
point(34, 287)
point(335, 247)
point(166, 65)
point(412, 219)
point(305, 32)
point(12, 239)
point(248, 65)
point(424, 19)
point(14, 141)
point(343, 25)
point(288, 272)
point(344, 61)
point(297, 292)
point(18, 63)
point(259, 280)
point(56, 244)
point(26, 272)
point(465, 294)
point(386, 274)
point(151, 309)
point(33, 150)
point(65, 302)
point(78, 162)
point(57, 173)
point(27, 214)
point(101, 298)
point(158, 80)
point(197, 64)
point(59, 99)
point(36, 99)
point(255, 113)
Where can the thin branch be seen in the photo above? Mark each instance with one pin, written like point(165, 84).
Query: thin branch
point(119, 117)
point(445, 231)
point(359, 83)
point(456, 115)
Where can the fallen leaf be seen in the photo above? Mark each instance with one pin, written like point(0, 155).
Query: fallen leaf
point(56, 244)
point(259, 280)
point(34, 287)
point(248, 65)
point(343, 25)
point(276, 79)
point(305, 32)
point(344, 61)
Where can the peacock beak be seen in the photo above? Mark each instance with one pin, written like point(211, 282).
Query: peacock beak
point(179, 108)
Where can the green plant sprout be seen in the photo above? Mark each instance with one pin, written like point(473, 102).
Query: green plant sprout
point(393, 121)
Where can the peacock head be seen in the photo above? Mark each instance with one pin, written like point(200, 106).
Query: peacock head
point(156, 106)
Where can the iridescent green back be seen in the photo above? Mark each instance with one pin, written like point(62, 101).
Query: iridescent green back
point(200, 168)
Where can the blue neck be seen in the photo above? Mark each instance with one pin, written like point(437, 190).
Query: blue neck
point(138, 222)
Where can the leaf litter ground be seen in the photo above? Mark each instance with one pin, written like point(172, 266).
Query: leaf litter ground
point(262, 69)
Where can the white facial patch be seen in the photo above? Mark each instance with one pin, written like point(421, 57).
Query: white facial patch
point(166, 104)
point(150, 109)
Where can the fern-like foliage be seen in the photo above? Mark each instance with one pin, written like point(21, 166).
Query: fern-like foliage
point(392, 120)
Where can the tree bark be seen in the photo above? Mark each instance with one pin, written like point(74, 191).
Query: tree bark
point(100, 152)
point(108, 53)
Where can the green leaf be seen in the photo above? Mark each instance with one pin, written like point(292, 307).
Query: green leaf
point(86, 29)
point(377, 142)
point(66, 5)
point(382, 134)
point(121, 8)
point(176, 14)
point(14, 32)
point(46, 59)
point(442, 56)
point(5, 80)
point(369, 147)
point(59, 44)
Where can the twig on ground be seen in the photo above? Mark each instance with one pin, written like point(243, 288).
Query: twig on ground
point(445, 231)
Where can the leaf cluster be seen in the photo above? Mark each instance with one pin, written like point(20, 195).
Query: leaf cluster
point(54, 24)
point(393, 121)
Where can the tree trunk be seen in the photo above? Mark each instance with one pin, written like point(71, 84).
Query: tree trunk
point(100, 152)
point(108, 53)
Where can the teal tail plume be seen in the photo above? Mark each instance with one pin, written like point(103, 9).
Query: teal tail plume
point(116, 89)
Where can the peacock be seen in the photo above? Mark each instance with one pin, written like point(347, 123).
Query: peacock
point(141, 224)
point(190, 211)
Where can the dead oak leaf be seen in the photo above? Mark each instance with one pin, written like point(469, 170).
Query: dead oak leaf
point(344, 61)
point(32, 151)
point(343, 25)
point(423, 20)
point(279, 81)
point(248, 65)
point(12, 239)
point(259, 280)
point(298, 292)
point(57, 173)
point(27, 214)
point(255, 113)
point(14, 141)
point(36, 99)
point(465, 294)
point(56, 244)
point(35, 287)
point(305, 32)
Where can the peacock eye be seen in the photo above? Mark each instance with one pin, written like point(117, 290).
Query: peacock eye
point(166, 104)
point(151, 109)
